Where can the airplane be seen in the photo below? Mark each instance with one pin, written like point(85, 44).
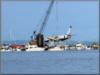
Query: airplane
point(60, 37)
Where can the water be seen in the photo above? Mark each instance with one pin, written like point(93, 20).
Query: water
point(65, 62)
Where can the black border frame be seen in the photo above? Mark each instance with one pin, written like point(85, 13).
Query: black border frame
point(46, 0)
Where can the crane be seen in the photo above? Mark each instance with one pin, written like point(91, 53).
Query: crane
point(39, 36)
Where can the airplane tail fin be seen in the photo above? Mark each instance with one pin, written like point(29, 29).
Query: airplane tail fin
point(69, 30)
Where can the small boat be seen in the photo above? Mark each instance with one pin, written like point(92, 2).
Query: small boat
point(34, 48)
point(57, 48)
point(79, 46)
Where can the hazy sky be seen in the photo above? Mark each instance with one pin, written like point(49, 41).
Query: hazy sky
point(20, 19)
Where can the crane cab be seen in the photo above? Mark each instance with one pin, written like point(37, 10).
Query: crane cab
point(40, 40)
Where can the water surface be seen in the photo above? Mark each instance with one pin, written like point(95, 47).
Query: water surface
point(65, 62)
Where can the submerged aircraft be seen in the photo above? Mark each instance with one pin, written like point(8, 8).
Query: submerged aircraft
point(60, 37)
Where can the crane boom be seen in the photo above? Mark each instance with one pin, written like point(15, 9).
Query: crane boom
point(46, 17)
point(40, 37)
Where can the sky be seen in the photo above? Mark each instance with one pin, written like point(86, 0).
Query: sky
point(20, 19)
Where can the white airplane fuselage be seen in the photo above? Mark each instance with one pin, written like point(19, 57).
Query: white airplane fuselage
point(60, 37)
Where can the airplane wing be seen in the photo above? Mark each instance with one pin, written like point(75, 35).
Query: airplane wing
point(51, 38)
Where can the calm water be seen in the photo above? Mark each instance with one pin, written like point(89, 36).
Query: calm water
point(65, 62)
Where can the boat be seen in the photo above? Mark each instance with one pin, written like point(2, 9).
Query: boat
point(79, 46)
